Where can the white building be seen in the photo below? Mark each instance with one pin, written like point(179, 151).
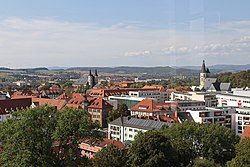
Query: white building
point(209, 98)
point(242, 119)
point(126, 128)
point(130, 101)
point(159, 96)
point(233, 100)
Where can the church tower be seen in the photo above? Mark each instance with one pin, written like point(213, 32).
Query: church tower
point(91, 79)
point(203, 75)
point(96, 77)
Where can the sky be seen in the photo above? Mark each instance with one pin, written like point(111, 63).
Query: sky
point(69, 33)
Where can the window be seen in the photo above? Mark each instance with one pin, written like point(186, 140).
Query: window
point(130, 136)
point(130, 130)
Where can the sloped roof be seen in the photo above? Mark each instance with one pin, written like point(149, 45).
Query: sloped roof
point(99, 103)
point(225, 86)
point(138, 123)
point(59, 104)
point(149, 105)
point(14, 104)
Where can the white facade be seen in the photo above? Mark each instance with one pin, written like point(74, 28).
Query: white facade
point(242, 119)
point(209, 98)
point(233, 100)
point(223, 117)
point(122, 134)
point(159, 96)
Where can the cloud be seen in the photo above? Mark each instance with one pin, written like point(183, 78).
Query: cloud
point(138, 54)
point(50, 42)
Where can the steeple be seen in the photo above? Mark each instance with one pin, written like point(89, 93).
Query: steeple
point(90, 72)
point(96, 72)
point(203, 67)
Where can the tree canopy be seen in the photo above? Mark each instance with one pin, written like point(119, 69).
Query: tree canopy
point(242, 158)
point(151, 148)
point(29, 138)
point(111, 156)
point(209, 141)
point(122, 110)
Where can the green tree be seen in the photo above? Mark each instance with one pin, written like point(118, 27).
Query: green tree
point(27, 138)
point(111, 156)
point(203, 163)
point(122, 110)
point(151, 148)
point(73, 125)
point(242, 158)
point(209, 141)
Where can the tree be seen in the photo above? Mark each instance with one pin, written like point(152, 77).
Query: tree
point(203, 163)
point(209, 141)
point(122, 110)
point(110, 156)
point(73, 125)
point(27, 138)
point(242, 158)
point(151, 148)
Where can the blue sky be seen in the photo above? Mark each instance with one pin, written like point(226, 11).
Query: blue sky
point(124, 32)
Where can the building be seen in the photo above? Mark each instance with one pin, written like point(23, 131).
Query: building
point(211, 84)
point(208, 97)
point(184, 105)
point(12, 105)
point(242, 120)
point(126, 128)
point(92, 79)
point(57, 103)
point(220, 116)
point(158, 95)
point(246, 133)
point(149, 107)
point(98, 108)
point(89, 148)
point(233, 100)
point(130, 101)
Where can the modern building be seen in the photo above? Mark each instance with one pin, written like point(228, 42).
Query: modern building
point(233, 100)
point(126, 128)
point(130, 101)
point(208, 97)
point(220, 116)
point(158, 95)
point(242, 120)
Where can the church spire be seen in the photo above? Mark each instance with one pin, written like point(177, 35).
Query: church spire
point(203, 67)
point(90, 72)
point(96, 72)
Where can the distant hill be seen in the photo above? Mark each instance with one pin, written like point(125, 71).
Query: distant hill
point(142, 70)
point(24, 69)
point(220, 68)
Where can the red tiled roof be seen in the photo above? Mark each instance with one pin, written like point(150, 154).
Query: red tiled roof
point(149, 105)
point(59, 104)
point(99, 103)
point(14, 104)
point(246, 132)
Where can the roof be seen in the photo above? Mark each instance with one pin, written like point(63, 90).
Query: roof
point(209, 81)
point(225, 86)
point(14, 104)
point(100, 104)
point(94, 102)
point(59, 104)
point(149, 105)
point(185, 116)
point(246, 132)
point(138, 123)
point(203, 67)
